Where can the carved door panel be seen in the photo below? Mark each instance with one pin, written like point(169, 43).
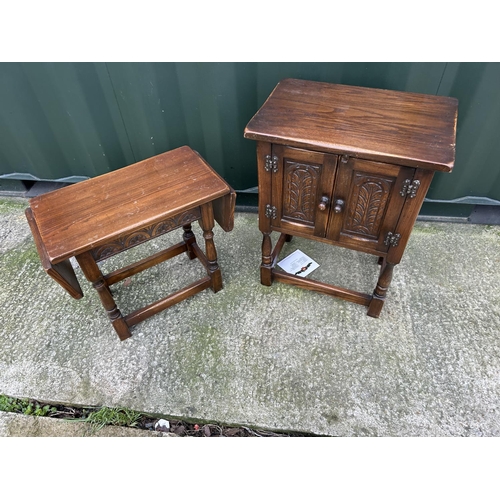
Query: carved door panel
point(301, 181)
point(371, 203)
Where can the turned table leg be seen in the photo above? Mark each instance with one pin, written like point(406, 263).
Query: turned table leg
point(189, 239)
point(93, 274)
point(380, 291)
point(266, 267)
point(207, 224)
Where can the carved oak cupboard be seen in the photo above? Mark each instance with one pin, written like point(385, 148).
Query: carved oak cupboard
point(347, 166)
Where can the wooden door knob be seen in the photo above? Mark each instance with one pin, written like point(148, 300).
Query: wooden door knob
point(339, 206)
point(323, 203)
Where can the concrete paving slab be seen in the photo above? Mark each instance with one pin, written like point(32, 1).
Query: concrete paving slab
point(17, 425)
point(272, 357)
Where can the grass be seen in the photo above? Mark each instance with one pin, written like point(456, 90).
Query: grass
point(7, 205)
point(97, 419)
point(113, 416)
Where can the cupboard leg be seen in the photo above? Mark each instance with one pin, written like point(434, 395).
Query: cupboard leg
point(266, 267)
point(380, 291)
point(94, 275)
point(207, 224)
point(288, 238)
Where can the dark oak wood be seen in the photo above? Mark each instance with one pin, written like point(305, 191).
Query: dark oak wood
point(380, 291)
point(409, 214)
point(347, 166)
point(372, 204)
point(207, 224)
point(189, 240)
point(93, 274)
point(317, 286)
point(198, 253)
point(224, 210)
point(135, 238)
point(63, 272)
point(302, 180)
point(101, 210)
point(383, 125)
point(169, 301)
point(146, 263)
point(101, 217)
point(266, 267)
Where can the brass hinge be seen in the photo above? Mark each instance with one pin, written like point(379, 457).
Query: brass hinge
point(270, 212)
point(271, 163)
point(409, 188)
point(392, 239)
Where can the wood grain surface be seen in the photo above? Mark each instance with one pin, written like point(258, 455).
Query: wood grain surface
point(398, 127)
point(80, 217)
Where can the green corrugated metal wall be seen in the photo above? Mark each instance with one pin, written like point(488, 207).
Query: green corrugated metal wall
point(65, 121)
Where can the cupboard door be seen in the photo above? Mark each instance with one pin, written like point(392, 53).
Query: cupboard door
point(369, 196)
point(302, 189)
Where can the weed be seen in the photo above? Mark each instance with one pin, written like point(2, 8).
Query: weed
point(97, 418)
point(8, 404)
point(113, 416)
point(25, 406)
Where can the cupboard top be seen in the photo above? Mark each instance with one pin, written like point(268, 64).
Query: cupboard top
point(396, 127)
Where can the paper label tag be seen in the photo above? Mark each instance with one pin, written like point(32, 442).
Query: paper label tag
point(298, 263)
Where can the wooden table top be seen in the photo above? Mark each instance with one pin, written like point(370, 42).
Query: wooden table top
point(398, 127)
point(76, 218)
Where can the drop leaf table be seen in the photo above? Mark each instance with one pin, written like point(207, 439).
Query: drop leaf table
point(100, 217)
